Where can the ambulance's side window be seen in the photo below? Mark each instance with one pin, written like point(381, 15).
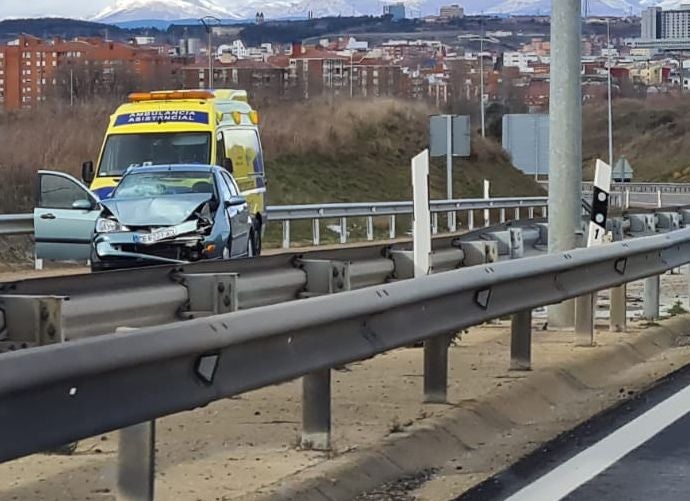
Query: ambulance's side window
point(220, 150)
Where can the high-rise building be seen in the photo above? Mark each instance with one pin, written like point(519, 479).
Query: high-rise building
point(451, 12)
point(395, 10)
point(651, 23)
point(666, 24)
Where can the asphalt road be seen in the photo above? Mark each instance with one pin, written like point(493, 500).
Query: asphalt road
point(638, 451)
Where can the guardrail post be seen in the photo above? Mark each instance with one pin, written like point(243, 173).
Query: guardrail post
point(434, 223)
point(521, 341)
point(502, 216)
point(286, 234)
point(452, 222)
point(517, 214)
point(343, 230)
point(618, 309)
point(659, 202)
point(316, 231)
point(370, 228)
point(391, 227)
point(584, 320)
point(316, 410)
point(470, 220)
point(323, 277)
point(627, 199)
point(436, 369)
point(687, 271)
point(651, 298)
point(545, 212)
point(136, 462)
point(530, 213)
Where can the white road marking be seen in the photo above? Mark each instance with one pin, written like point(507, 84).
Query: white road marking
point(589, 463)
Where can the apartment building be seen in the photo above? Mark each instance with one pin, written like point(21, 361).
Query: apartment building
point(29, 66)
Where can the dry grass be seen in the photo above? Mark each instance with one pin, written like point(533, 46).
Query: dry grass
point(320, 127)
point(316, 151)
point(54, 137)
point(653, 134)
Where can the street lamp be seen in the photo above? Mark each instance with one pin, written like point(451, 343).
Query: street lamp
point(207, 21)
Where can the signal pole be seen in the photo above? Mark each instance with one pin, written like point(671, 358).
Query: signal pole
point(565, 124)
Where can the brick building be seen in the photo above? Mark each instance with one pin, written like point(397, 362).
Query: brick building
point(260, 78)
point(30, 67)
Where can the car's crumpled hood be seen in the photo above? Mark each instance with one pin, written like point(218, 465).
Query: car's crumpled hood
point(156, 211)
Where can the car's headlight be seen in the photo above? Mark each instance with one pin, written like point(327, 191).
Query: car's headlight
point(104, 225)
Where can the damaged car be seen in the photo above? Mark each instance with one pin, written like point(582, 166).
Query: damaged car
point(157, 214)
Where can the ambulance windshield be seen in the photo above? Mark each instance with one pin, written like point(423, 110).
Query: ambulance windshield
point(134, 150)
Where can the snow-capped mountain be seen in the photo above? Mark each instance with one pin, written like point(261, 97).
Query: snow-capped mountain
point(132, 10)
point(601, 7)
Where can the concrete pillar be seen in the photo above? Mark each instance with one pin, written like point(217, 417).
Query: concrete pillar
point(521, 341)
point(565, 125)
point(136, 462)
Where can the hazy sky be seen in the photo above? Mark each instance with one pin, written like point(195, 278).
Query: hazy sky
point(70, 8)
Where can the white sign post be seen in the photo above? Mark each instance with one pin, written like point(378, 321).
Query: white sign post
point(421, 226)
point(585, 306)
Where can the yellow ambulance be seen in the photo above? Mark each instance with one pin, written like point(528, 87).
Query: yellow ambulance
point(185, 127)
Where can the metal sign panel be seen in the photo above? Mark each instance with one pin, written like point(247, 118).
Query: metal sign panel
point(526, 139)
point(460, 131)
point(623, 171)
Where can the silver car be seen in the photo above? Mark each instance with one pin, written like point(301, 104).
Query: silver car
point(157, 214)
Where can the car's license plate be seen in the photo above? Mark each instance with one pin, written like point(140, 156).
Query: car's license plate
point(156, 235)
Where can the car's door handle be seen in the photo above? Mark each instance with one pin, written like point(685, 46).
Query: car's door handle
point(48, 216)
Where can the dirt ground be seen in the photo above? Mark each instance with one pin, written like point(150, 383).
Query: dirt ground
point(239, 446)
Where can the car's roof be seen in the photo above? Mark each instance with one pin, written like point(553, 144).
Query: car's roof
point(174, 168)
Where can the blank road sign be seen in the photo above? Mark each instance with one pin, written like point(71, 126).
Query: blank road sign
point(438, 135)
point(526, 139)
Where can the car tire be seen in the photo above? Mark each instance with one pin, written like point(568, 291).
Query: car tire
point(257, 239)
point(251, 246)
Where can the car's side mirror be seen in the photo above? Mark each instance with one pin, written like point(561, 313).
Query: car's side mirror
point(82, 205)
point(227, 164)
point(235, 201)
point(87, 173)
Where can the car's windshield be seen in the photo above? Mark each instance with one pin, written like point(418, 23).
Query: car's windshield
point(154, 184)
point(133, 150)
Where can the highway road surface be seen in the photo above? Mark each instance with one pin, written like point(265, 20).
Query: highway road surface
point(638, 451)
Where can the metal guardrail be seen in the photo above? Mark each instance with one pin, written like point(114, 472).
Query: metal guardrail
point(637, 187)
point(252, 323)
point(98, 303)
point(15, 224)
point(116, 380)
